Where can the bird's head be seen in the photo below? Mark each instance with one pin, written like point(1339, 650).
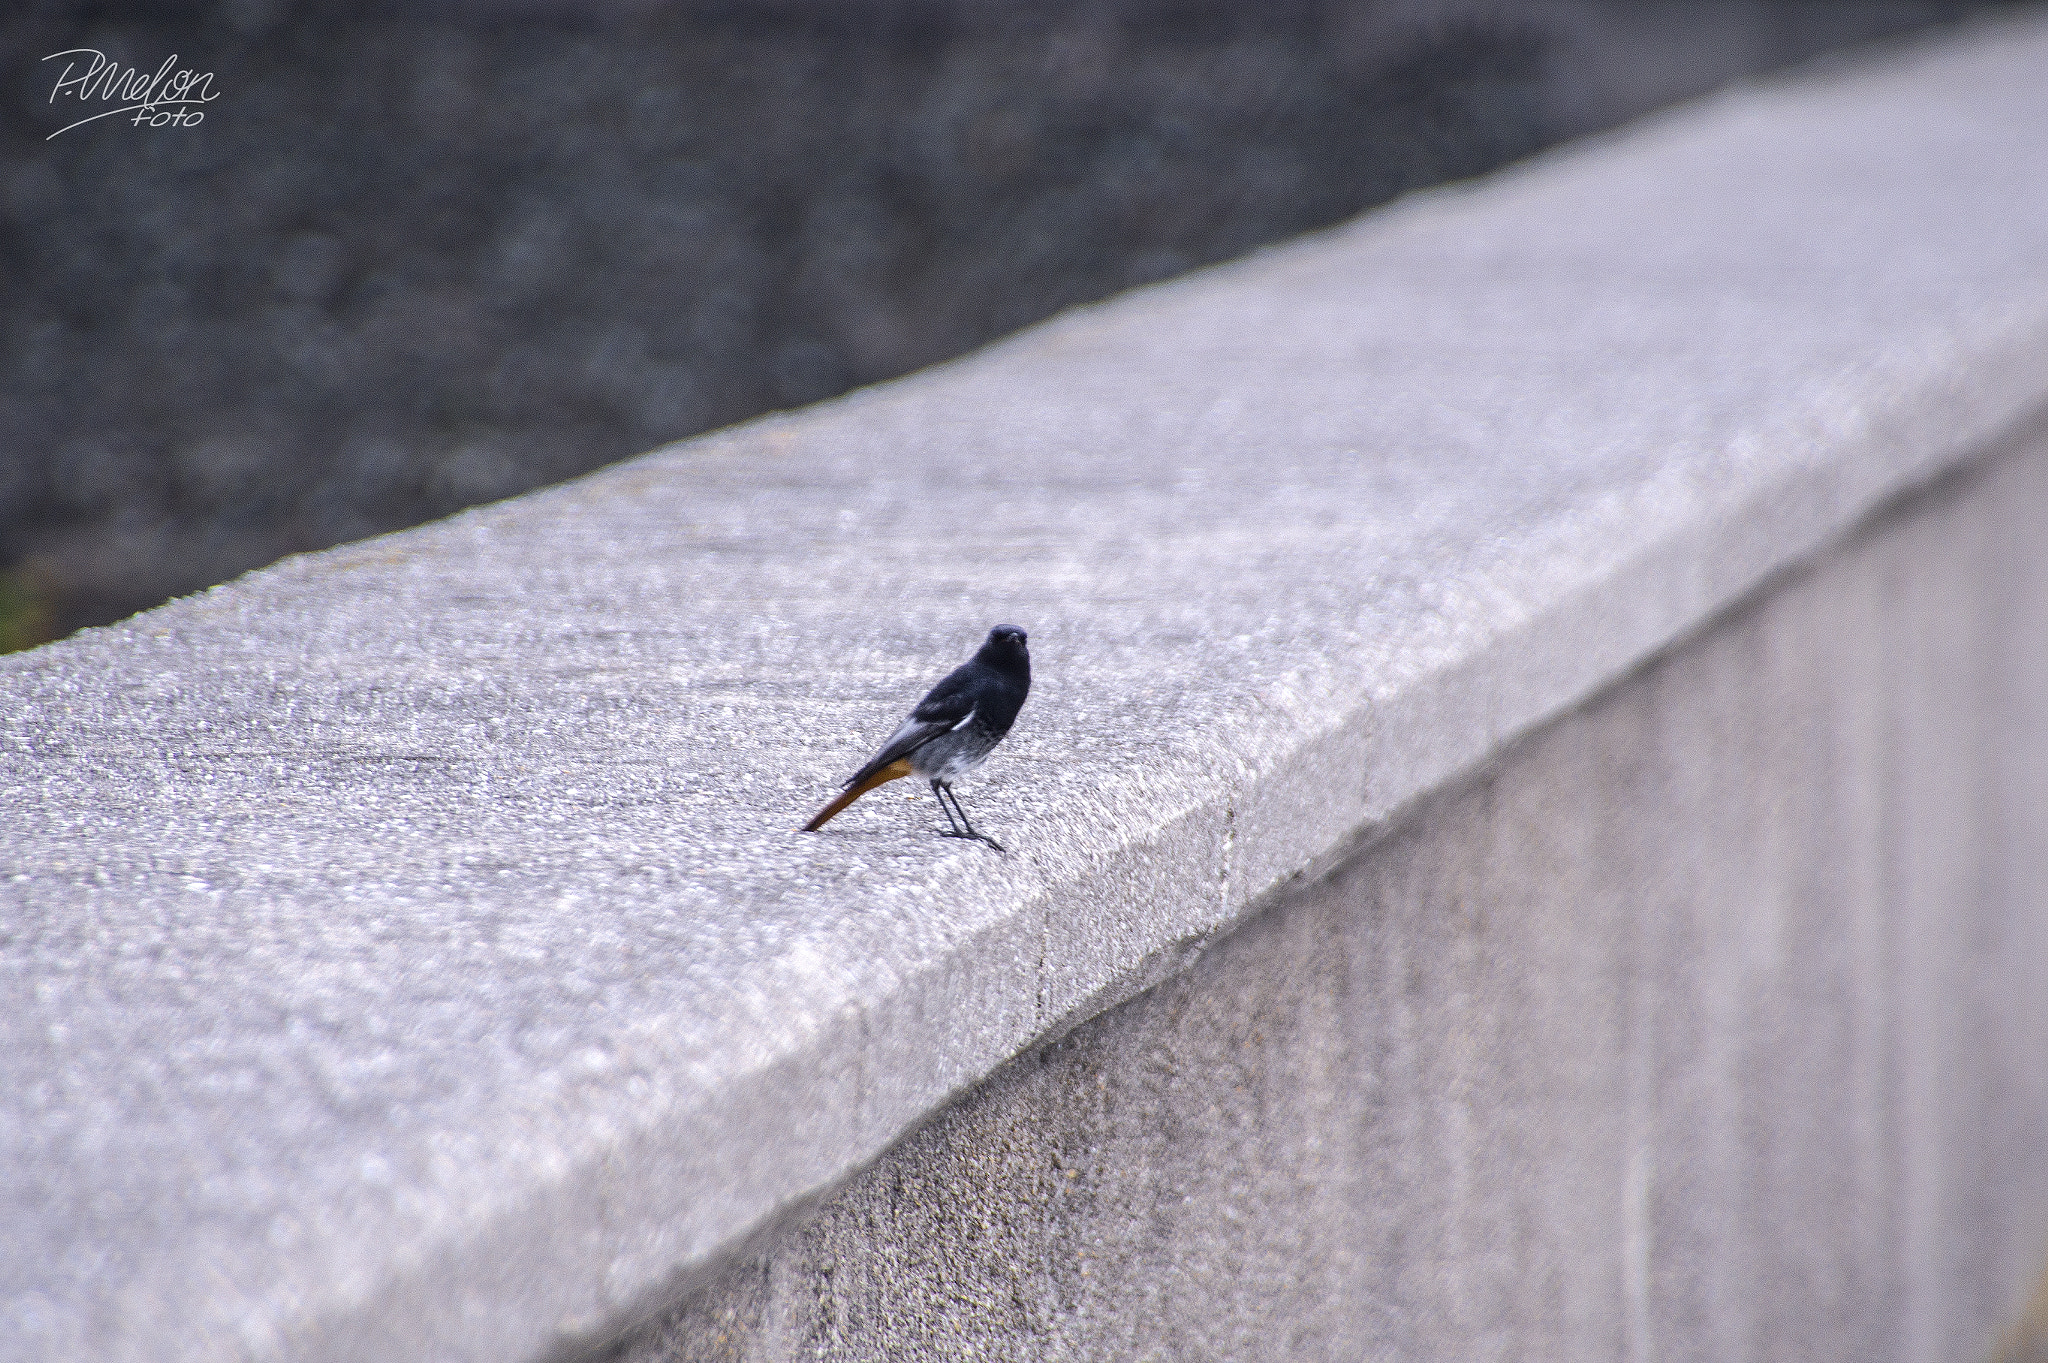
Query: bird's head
point(1006, 646)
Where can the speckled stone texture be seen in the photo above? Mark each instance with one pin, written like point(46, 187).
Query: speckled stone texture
point(408, 952)
point(1710, 1022)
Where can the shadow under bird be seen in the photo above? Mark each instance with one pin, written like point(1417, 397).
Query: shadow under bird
point(951, 732)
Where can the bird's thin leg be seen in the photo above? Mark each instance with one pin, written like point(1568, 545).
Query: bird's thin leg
point(952, 828)
point(971, 832)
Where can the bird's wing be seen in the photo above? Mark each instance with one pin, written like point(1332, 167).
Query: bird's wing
point(949, 705)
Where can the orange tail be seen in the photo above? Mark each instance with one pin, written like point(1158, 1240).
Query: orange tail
point(900, 767)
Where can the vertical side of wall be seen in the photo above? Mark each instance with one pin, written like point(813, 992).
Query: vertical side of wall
point(1711, 1023)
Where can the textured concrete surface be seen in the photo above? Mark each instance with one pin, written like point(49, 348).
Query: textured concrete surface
point(406, 950)
point(1711, 1022)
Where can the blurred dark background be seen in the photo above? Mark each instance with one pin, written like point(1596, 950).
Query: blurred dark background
point(422, 256)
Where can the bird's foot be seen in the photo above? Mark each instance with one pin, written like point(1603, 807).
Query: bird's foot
point(975, 837)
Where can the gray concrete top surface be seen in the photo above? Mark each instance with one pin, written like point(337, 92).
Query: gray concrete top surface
point(406, 951)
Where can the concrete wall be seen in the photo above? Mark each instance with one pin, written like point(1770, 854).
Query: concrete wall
point(1708, 1022)
point(408, 952)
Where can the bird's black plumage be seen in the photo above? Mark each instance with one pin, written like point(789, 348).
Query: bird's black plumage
point(978, 699)
point(952, 730)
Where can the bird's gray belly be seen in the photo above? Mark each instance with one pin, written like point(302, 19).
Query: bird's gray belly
point(951, 756)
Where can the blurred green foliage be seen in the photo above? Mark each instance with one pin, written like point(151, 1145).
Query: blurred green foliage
point(26, 616)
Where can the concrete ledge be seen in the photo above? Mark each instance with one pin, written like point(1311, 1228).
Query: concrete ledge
point(1708, 1021)
point(405, 950)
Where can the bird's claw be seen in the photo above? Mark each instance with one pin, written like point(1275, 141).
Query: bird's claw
point(975, 837)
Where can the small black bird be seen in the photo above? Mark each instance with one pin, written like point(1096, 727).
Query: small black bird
point(952, 730)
